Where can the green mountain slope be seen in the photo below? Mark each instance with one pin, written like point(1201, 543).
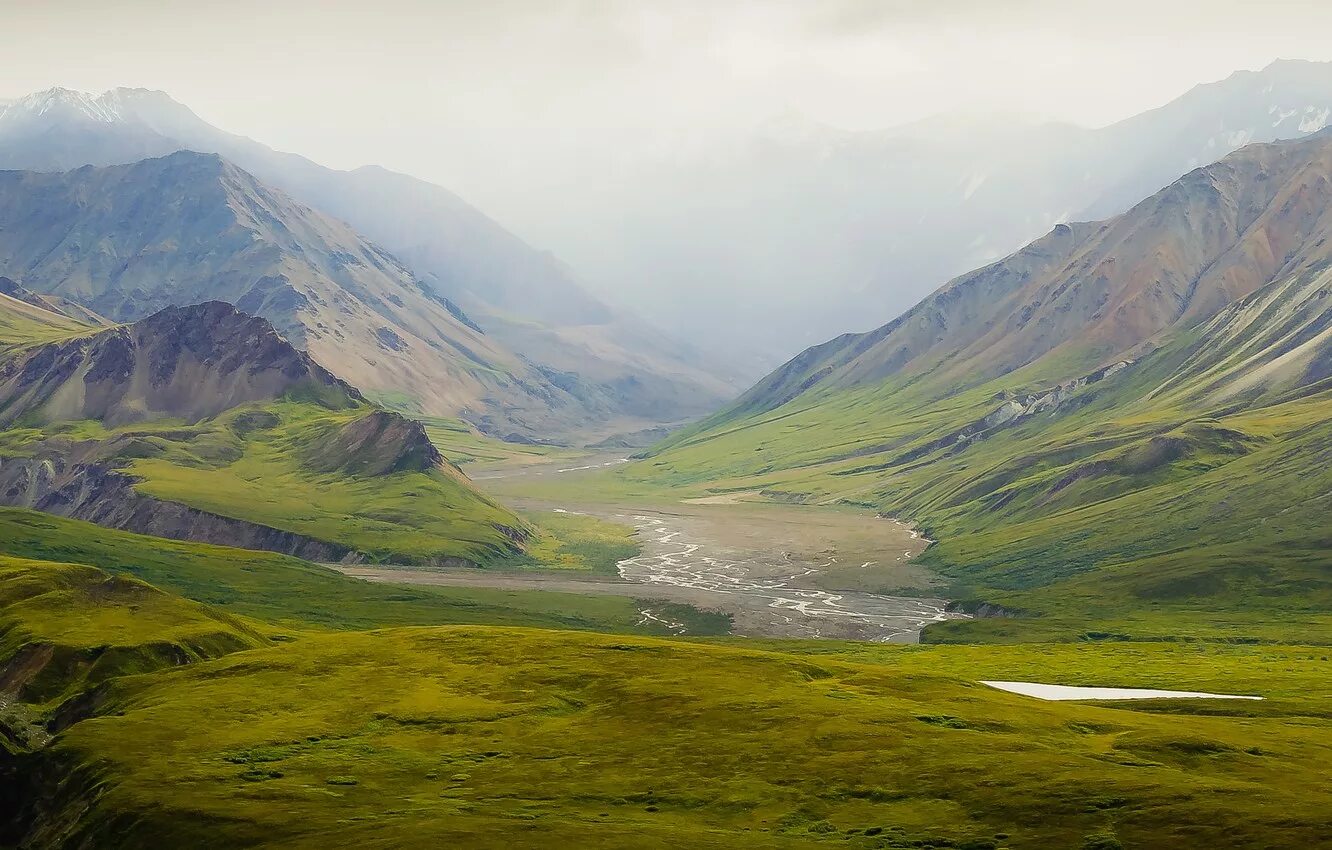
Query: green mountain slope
point(202, 423)
point(1120, 428)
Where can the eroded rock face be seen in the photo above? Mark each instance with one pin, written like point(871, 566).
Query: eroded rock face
point(183, 362)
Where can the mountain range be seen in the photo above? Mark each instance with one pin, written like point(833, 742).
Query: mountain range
point(526, 350)
point(126, 241)
point(796, 231)
point(1082, 420)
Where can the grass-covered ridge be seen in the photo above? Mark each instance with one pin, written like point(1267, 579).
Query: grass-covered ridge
point(290, 594)
point(266, 474)
point(260, 464)
point(208, 408)
point(25, 324)
point(65, 628)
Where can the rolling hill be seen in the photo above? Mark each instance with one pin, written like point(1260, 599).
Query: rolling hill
point(137, 718)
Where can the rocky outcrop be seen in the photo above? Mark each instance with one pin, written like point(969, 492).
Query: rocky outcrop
point(379, 443)
point(981, 610)
point(1011, 412)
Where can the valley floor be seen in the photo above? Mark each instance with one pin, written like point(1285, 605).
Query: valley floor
point(777, 570)
point(298, 708)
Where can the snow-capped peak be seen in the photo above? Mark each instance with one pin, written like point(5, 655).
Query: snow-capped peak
point(107, 108)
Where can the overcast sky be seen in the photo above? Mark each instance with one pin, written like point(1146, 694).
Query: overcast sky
point(515, 103)
point(401, 81)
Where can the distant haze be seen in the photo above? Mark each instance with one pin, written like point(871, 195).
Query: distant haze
point(518, 106)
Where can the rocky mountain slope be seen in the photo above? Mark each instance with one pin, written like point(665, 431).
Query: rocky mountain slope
point(1123, 422)
point(187, 363)
point(126, 241)
point(202, 423)
point(523, 297)
point(1095, 293)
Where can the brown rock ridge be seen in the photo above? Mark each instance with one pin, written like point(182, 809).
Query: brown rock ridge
point(1094, 293)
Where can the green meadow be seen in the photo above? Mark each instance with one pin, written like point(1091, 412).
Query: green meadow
point(504, 737)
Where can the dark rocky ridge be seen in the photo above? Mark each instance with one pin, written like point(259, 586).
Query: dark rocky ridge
point(182, 362)
point(380, 443)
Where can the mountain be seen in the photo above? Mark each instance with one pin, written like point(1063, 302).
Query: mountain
point(1123, 423)
point(125, 241)
point(795, 232)
point(202, 423)
point(524, 298)
point(1095, 293)
point(187, 363)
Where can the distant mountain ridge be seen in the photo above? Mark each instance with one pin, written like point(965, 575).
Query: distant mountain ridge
point(129, 240)
point(523, 298)
point(1101, 291)
point(125, 241)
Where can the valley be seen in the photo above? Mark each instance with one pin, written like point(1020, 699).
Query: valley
point(333, 513)
point(775, 570)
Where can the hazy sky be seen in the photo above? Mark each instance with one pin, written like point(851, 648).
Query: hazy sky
point(493, 97)
point(335, 80)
